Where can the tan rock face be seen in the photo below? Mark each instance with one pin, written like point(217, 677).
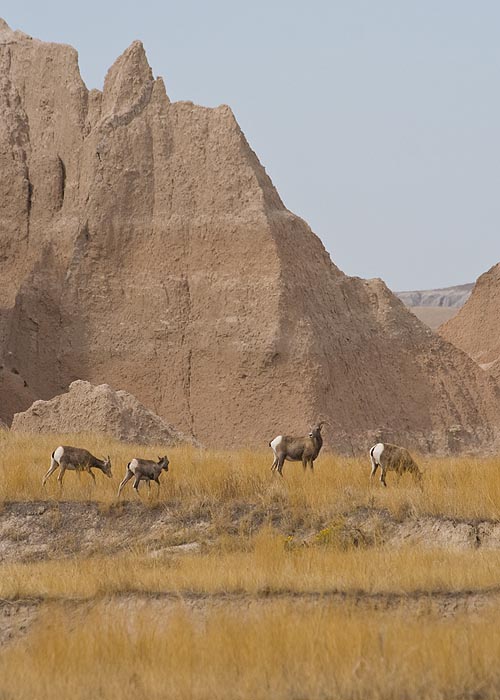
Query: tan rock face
point(476, 328)
point(494, 370)
point(97, 409)
point(147, 247)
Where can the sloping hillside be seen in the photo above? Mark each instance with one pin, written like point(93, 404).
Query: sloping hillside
point(476, 329)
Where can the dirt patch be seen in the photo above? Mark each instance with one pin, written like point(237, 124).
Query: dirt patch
point(16, 618)
point(418, 602)
point(49, 529)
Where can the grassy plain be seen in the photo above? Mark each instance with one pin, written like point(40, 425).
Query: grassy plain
point(281, 597)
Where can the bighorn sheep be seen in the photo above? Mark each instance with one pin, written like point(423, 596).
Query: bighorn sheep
point(392, 458)
point(76, 459)
point(144, 469)
point(297, 449)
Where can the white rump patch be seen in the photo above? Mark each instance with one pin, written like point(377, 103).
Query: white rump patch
point(377, 452)
point(276, 443)
point(133, 465)
point(58, 453)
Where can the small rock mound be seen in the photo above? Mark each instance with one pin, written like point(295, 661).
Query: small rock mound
point(98, 409)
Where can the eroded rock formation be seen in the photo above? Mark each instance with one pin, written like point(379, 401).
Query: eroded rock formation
point(144, 245)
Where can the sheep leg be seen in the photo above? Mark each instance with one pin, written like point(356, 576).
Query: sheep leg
point(275, 463)
point(375, 466)
point(382, 475)
point(311, 465)
point(281, 461)
point(137, 481)
point(61, 474)
point(53, 466)
point(304, 463)
point(127, 477)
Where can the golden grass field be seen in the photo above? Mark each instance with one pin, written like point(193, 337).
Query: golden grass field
point(282, 650)
point(282, 596)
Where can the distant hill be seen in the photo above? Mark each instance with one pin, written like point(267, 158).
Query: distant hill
point(451, 297)
point(436, 306)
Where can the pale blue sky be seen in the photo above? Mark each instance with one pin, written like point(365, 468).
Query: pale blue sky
point(377, 120)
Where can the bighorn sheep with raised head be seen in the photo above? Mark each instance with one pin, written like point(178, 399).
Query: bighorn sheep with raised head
point(76, 459)
point(392, 458)
point(297, 449)
point(144, 470)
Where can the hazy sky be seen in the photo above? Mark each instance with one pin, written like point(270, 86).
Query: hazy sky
point(378, 121)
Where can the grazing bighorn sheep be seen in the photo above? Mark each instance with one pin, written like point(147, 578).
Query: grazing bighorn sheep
point(75, 459)
point(297, 449)
point(144, 469)
point(392, 458)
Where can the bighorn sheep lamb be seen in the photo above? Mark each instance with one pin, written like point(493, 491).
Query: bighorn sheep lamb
point(76, 459)
point(297, 449)
point(144, 469)
point(392, 458)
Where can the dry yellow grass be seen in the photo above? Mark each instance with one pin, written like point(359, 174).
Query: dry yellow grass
point(267, 564)
point(463, 487)
point(279, 650)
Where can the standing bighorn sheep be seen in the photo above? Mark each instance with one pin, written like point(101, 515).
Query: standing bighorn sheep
point(144, 470)
point(76, 459)
point(296, 449)
point(392, 458)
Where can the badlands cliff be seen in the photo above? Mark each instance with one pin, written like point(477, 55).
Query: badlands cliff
point(144, 246)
